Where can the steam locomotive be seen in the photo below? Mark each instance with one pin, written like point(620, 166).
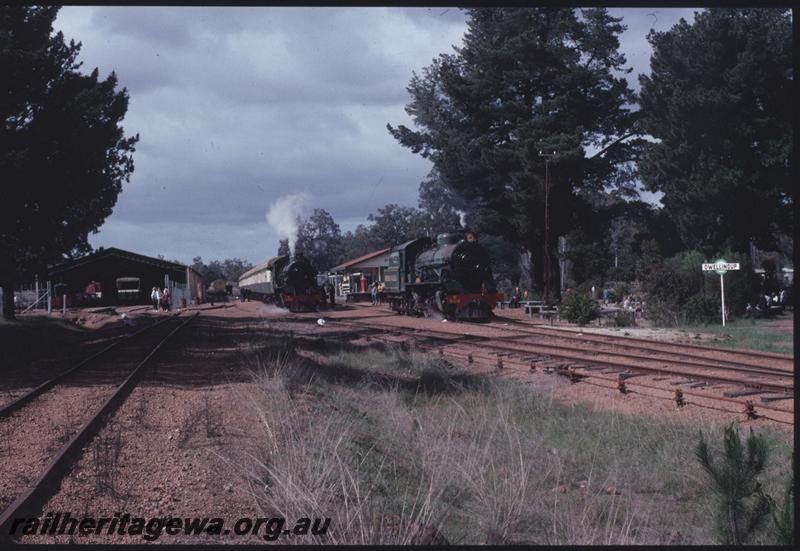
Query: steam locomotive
point(452, 275)
point(288, 283)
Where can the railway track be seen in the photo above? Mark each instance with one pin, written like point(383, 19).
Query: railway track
point(19, 401)
point(754, 358)
point(64, 413)
point(734, 378)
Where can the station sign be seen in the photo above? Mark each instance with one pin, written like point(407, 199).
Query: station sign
point(720, 266)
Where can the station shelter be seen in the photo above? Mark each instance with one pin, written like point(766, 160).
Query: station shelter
point(352, 279)
point(122, 277)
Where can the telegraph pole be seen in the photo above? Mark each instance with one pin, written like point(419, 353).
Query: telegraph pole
point(547, 158)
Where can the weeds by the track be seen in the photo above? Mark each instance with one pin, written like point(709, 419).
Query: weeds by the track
point(750, 333)
point(400, 447)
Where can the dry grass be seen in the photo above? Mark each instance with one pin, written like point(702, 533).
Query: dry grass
point(400, 448)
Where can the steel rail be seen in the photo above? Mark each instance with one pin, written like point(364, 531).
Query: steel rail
point(583, 374)
point(733, 351)
point(525, 367)
point(652, 346)
point(650, 358)
point(458, 339)
point(529, 329)
point(31, 500)
point(16, 404)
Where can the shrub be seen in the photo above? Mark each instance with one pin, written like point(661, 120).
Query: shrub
point(783, 519)
point(624, 319)
point(679, 292)
point(703, 308)
point(742, 506)
point(580, 308)
point(620, 291)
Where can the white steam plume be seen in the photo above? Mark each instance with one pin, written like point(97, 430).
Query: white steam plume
point(462, 218)
point(282, 216)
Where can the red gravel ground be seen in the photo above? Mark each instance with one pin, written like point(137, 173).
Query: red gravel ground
point(176, 446)
point(174, 440)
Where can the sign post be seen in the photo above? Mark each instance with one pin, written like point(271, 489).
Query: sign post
point(721, 266)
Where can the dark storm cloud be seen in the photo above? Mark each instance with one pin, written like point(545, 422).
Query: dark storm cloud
point(238, 107)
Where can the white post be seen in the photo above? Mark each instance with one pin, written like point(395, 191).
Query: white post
point(63, 305)
point(36, 279)
point(49, 298)
point(722, 290)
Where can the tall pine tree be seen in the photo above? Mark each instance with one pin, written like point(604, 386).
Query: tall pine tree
point(719, 100)
point(525, 80)
point(63, 152)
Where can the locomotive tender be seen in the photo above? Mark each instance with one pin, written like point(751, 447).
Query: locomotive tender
point(452, 275)
point(289, 283)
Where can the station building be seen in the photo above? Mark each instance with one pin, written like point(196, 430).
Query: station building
point(352, 279)
point(124, 277)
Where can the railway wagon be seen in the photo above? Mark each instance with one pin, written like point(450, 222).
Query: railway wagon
point(452, 275)
point(91, 295)
point(286, 282)
point(218, 289)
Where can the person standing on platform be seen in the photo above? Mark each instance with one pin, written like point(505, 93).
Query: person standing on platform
point(155, 297)
point(165, 299)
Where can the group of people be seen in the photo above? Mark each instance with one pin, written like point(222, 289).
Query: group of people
point(160, 299)
point(376, 289)
point(765, 302)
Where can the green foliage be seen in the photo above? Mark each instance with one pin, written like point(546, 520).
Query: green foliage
point(580, 308)
point(393, 224)
point(719, 101)
point(229, 269)
point(620, 291)
point(741, 505)
point(783, 518)
point(438, 205)
point(704, 309)
point(624, 319)
point(679, 292)
point(319, 239)
point(649, 258)
point(525, 80)
point(505, 258)
point(63, 152)
point(590, 257)
point(670, 285)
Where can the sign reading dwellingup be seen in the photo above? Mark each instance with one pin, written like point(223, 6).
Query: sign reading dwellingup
point(720, 266)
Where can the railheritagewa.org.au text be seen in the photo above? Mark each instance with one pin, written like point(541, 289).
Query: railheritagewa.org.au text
point(150, 529)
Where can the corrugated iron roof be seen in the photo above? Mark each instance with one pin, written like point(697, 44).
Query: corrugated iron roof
point(113, 251)
point(367, 256)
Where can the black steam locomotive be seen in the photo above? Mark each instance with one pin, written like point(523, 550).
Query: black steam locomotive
point(289, 283)
point(452, 275)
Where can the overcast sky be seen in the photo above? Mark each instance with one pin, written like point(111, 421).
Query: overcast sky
point(243, 112)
